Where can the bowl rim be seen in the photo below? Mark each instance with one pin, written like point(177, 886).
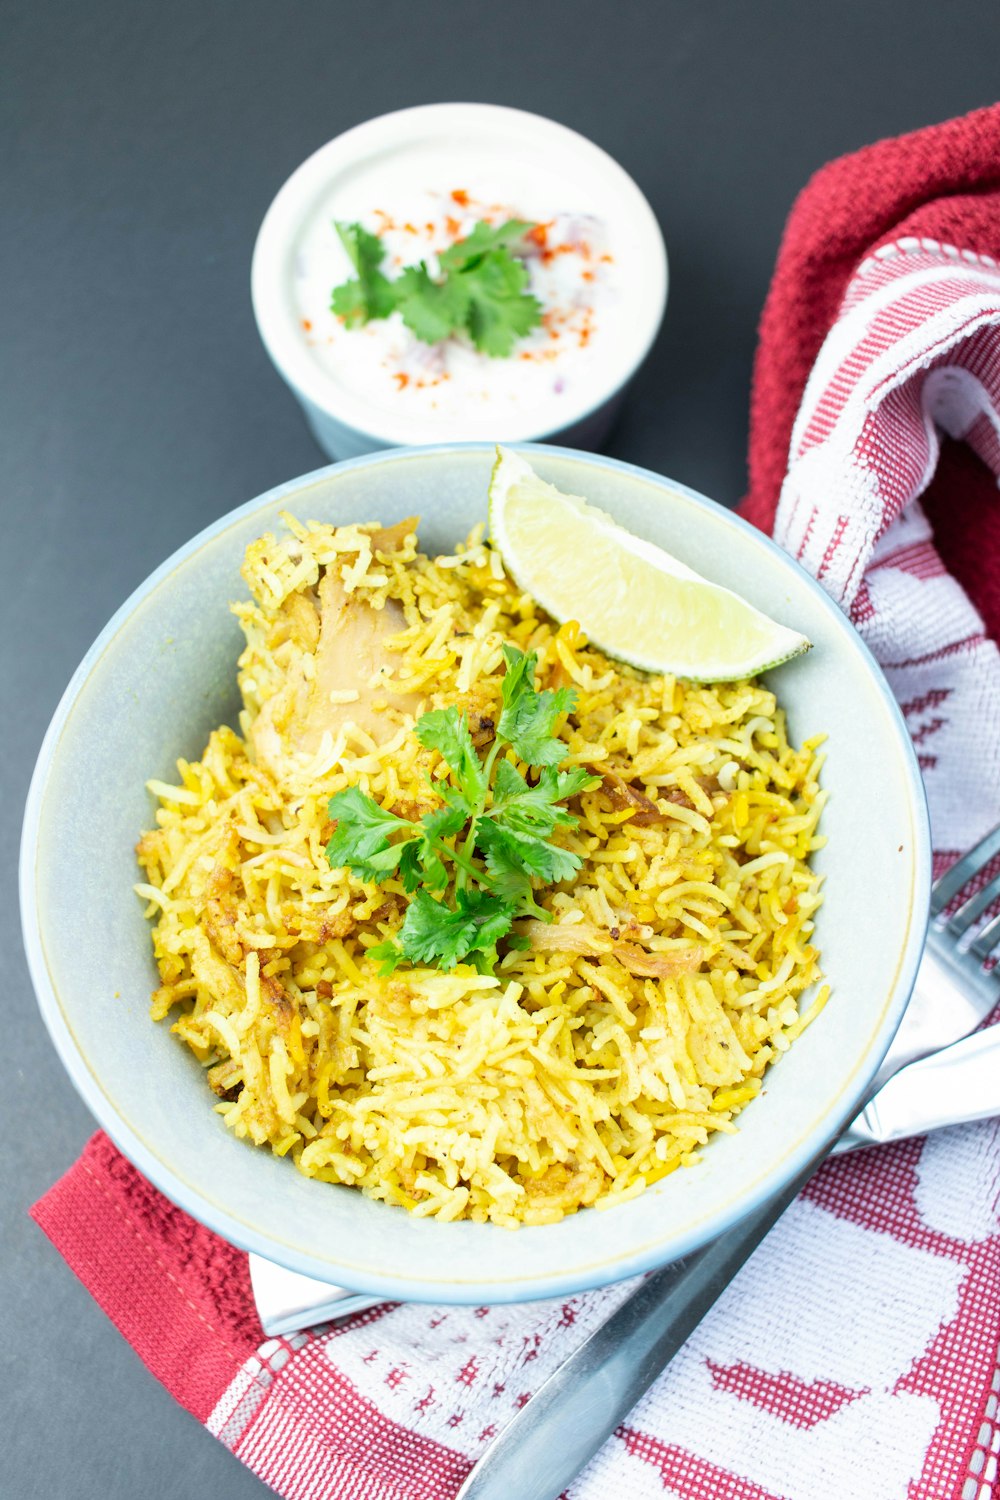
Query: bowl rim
point(807, 1150)
point(289, 356)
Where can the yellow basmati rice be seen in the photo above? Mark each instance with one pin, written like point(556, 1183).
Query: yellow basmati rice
point(582, 1070)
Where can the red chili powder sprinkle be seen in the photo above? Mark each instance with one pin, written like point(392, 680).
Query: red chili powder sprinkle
point(410, 228)
point(551, 251)
point(460, 196)
point(453, 227)
point(402, 380)
point(307, 325)
point(540, 234)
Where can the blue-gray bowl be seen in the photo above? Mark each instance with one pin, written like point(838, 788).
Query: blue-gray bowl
point(162, 675)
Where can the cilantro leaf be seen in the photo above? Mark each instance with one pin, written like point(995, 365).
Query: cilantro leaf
point(519, 677)
point(432, 310)
point(371, 294)
point(388, 955)
point(500, 310)
point(427, 865)
point(447, 731)
point(379, 866)
point(508, 877)
point(532, 724)
point(349, 303)
point(528, 809)
point(528, 717)
point(466, 254)
point(519, 941)
point(365, 249)
point(567, 784)
point(512, 857)
point(520, 807)
point(411, 870)
point(471, 864)
point(481, 289)
point(444, 821)
point(454, 798)
point(434, 933)
point(360, 841)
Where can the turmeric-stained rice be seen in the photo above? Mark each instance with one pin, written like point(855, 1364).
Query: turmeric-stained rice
point(639, 1022)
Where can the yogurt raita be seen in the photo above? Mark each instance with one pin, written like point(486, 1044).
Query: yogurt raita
point(421, 180)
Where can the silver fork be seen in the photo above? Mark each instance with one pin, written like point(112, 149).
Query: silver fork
point(953, 992)
point(555, 1435)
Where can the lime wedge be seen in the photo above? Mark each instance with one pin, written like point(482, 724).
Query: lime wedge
point(633, 600)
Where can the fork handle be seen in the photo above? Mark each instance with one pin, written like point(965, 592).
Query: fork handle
point(557, 1433)
point(956, 1086)
point(951, 998)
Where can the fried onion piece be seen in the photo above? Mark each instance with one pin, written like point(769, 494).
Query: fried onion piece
point(594, 942)
point(624, 796)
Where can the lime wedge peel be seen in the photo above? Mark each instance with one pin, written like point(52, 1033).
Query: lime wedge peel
point(634, 601)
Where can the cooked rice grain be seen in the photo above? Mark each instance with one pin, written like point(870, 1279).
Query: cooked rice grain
point(573, 1076)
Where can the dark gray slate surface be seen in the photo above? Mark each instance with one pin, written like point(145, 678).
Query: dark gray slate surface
point(140, 147)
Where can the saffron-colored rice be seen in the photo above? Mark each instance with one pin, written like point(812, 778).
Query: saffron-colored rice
point(574, 1075)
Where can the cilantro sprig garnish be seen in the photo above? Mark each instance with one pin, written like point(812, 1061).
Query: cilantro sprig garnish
point(471, 866)
point(480, 290)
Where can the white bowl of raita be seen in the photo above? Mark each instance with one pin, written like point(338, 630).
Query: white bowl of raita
point(458, 272)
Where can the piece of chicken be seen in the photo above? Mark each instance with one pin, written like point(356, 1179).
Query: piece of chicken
point(346, 638)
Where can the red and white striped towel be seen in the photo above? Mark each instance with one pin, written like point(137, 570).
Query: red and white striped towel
point(914, 353)
point(856, 1354)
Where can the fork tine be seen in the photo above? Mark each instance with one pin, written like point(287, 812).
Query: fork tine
point(987, 940)
point(961, 872)
point(973, 909)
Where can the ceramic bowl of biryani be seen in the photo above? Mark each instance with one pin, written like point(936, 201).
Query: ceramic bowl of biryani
point(708, 942)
